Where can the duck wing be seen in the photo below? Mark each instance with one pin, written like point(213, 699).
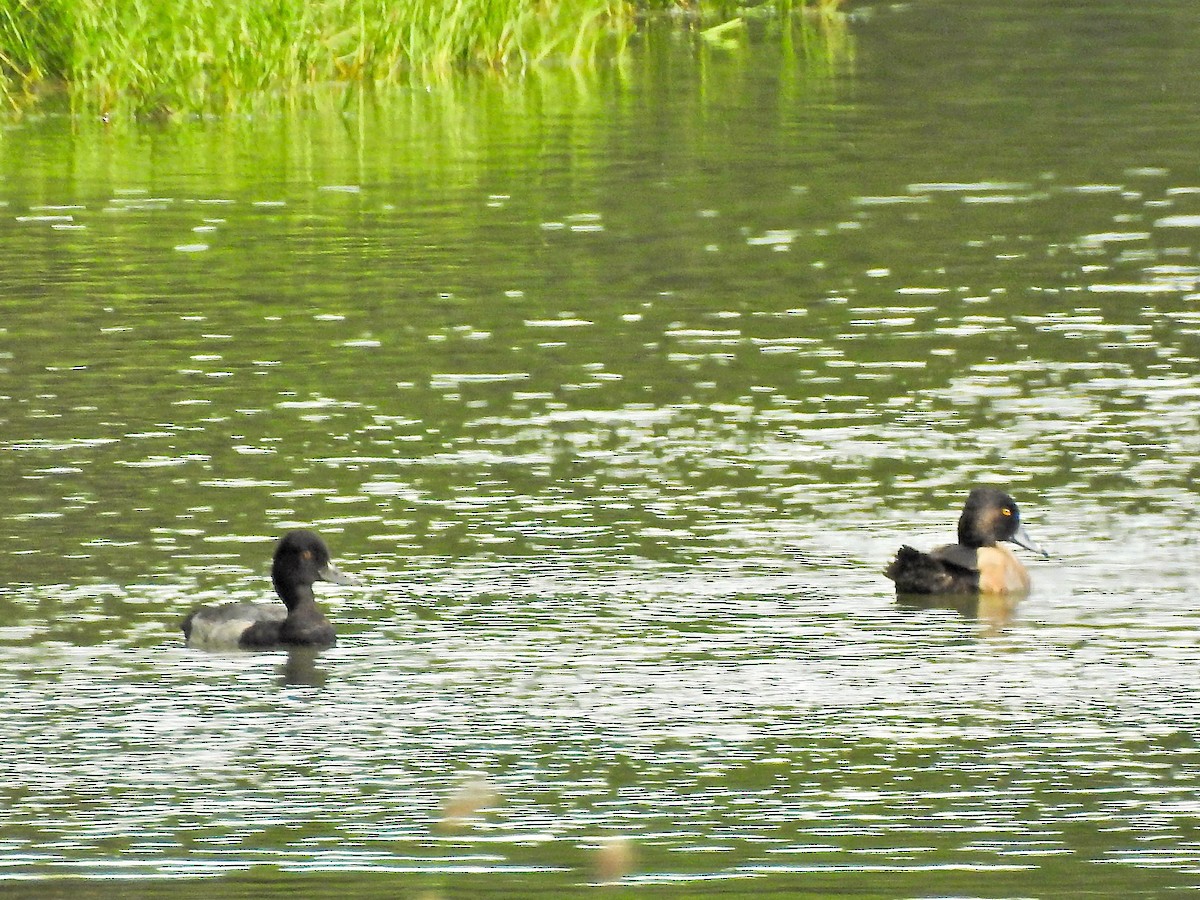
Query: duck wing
point(958, 556)
point(952, 569)
point(216, 627)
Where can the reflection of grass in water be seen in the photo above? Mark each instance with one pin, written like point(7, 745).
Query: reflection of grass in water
point(192, 55)
point(816, 30)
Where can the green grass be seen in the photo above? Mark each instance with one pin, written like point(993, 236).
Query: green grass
point(192, 54)
point(159, 57)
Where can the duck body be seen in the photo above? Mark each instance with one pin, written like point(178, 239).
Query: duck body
point(977, 564)
point(301, 559)
point(957, 569)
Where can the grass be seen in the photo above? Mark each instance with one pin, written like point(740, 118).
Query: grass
point(192, 54)
point(150, 56)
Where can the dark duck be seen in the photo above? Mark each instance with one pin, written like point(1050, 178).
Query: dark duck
point(301, 559)
point(978, 563)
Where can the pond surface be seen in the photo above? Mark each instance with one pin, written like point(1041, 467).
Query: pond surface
point(618, 391)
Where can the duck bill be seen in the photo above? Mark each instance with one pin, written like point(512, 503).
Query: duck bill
point(1022, 539)
point(333, 574)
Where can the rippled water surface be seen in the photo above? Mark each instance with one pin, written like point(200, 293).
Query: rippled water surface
point(617, 391)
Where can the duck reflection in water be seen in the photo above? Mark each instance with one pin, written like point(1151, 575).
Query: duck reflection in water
point(976, 576)
point(300, 668)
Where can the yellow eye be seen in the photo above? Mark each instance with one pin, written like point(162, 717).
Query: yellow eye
point(1006, 511)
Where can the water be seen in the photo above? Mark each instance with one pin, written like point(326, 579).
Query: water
point(618, 392)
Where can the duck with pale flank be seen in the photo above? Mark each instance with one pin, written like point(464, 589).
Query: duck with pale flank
point(978, 563)
point(301, 559)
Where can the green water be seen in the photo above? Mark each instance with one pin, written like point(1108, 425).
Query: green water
point(618, 391)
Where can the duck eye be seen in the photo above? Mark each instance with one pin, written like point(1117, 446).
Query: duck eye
point(1006, 511)
point(307, 554)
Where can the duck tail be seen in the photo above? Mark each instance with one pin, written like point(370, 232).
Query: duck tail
point(917, 573)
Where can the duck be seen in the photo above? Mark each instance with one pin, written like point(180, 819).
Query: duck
point(301, 559)
point(978, 564)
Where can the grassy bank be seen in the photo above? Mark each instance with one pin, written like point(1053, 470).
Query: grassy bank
point(150, 56)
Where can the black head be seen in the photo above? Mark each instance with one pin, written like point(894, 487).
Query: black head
point(991, 515)
point(302, 558)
